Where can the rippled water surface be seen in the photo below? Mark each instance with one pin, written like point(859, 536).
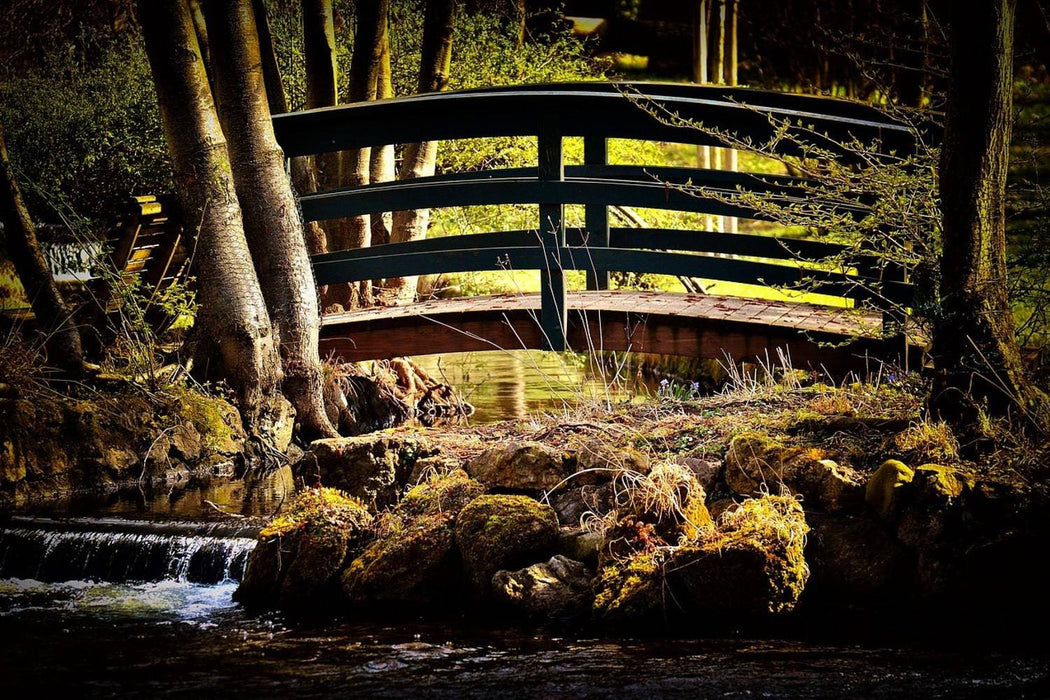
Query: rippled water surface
point(188, 640)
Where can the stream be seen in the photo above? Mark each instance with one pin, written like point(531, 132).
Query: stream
point(130, 595)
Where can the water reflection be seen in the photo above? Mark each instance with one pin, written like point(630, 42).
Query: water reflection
point(503, 385)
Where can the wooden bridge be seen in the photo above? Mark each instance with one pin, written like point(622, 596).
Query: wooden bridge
point(697, 325)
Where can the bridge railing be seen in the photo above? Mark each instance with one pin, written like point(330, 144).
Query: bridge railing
point(596, 112)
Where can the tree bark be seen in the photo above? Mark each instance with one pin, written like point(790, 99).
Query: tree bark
point(270, 214)
point(975, 349)
point(382, 168)
point(420, 158)
point(355, 231)
point(304, 178)
point(233, 320)
point(53, 317)
point(322, 76)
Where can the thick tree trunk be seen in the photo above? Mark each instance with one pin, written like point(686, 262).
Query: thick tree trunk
point(271, 218)
point(420, 158)
point(233, 319)
point(53, 317)
point(382, 168)
point(201, 29)
point(974, 348)
point(303, 177)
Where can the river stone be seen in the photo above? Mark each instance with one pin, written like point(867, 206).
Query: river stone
point(500, 532)
point(580, 544)
point(707, 471)
point(370, 467)
point(854, 562)
point(573, 502)
point(521, 466)
point(597, 462)
point(883, 490)
point(755, 462)
point(299, 554)
point(558, 588)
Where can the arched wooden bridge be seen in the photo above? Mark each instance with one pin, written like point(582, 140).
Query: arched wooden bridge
point(597, 318)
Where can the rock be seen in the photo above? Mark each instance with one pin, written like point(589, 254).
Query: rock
point(597, 462)
point(370, 467)
point(753, 565)
point(521, 466)
point(630, 590)
point(757, 464)
point(426, 467)
point(559, 588)
point(441, 493)
point(938, 483)
point(882, 492)
point(708, 472)
point(755, 461)
point(571, 503)
point(579, 544)
point(854, 562)
point(300, 553)
point(413, 560)
point(502, 532)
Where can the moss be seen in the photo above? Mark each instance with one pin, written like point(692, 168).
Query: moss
point(631, 589)
point(755, 462)
point(946, 482)
point(210, 415)
point(441, 493)
point(882, 486)
point(324, 506)
point(928, 441)
point(501, 532)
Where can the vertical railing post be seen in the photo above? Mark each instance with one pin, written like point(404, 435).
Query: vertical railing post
point(553, 314)
point(596, 217)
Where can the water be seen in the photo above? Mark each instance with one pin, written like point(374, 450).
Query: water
point(98, 617)
point(504, 385)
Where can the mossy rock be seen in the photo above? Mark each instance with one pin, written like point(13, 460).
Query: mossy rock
point(522, 466)
point(752, 565)
point(503, 532)
point(556, 589)
point(374, 468)
point(882, 492)
point(411, 562)
point(942, 483)
point(413, 559)
point(441, 493)
point(631, 589)
point(598, 462)
point(755, 463)
point(300, 553)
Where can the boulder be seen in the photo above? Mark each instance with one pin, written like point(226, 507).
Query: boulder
point(300, 553)
point(557, 589)
point(630, 590)
point(572, 502)
point(882, 492)
point(757, 464)
point(412, 562)
point(756, 461)
point(521, 466)
point(708, 472)
point(752, 565)
point(598, 462)
point(501, 532)
point(934, 482)
point(371, 467)
point(580, 544)
point(413, 559)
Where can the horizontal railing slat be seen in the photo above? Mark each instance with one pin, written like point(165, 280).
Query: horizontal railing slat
point(590, 110)
point(348, 269)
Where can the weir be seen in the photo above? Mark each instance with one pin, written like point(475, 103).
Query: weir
point(123, 551)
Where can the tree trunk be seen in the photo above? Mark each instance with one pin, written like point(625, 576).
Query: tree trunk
point(975, 349)
point(355, 231)
point(53, 317)
point(303, 177)
point(270, 214)
point(322, 82)
point(382, 168)
point(420, 158)
point(233, 319)
point(201, 30)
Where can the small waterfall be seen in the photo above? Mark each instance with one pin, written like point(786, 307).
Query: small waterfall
point(123, 551)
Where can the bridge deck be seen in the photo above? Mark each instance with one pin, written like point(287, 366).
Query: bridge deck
point(671, 324)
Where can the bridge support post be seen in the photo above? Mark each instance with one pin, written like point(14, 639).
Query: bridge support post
point(553, 312)
point(596, 217)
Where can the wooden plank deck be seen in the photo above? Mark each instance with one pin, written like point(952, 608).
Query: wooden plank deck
point(653, 322)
